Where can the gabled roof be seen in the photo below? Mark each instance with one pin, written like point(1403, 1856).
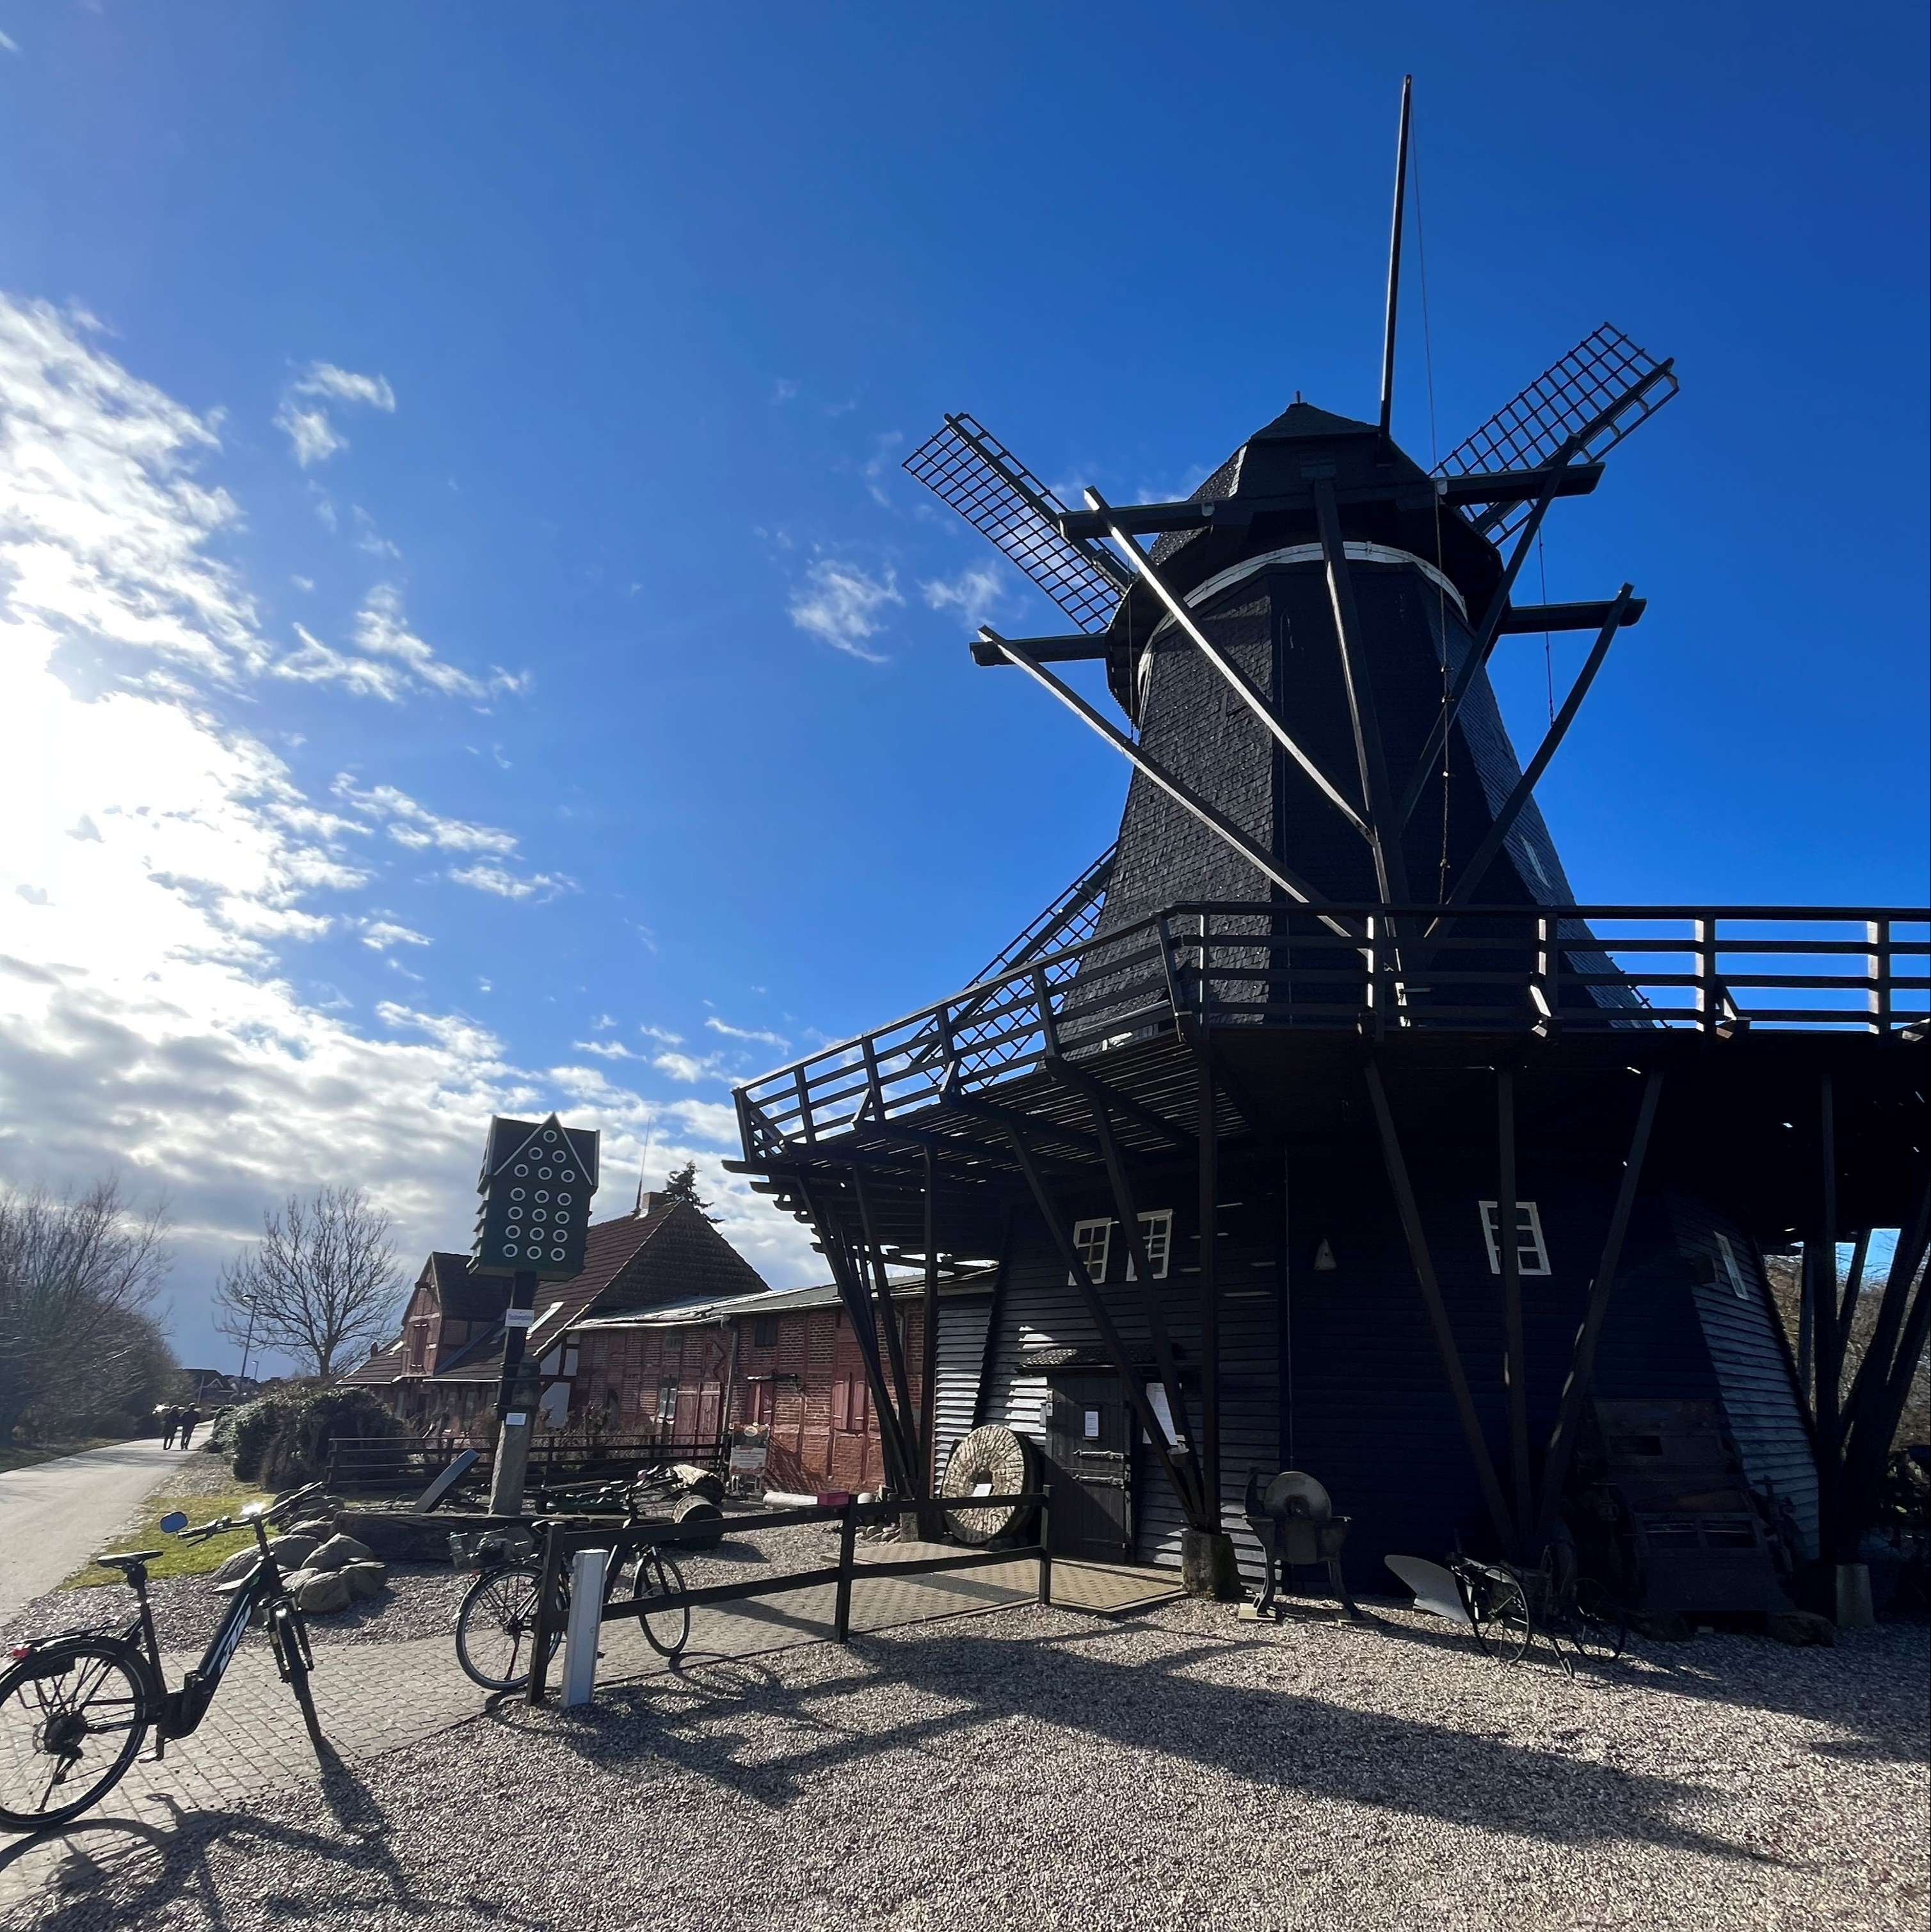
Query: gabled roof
point(1303, 419)
point(669, 1254)
point(462, 1296)
point(774, 1301)
point(507, 1138)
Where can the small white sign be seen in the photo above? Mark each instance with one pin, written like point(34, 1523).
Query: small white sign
point(519, 1318)
point(516, 1419)
point(1092, 1431)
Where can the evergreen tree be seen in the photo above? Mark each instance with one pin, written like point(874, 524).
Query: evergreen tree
point(683, 1186)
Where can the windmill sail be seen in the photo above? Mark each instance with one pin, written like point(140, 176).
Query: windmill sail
point(966, 466)
point(1576, 411)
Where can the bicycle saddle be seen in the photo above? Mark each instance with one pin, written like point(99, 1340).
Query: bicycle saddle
point(126, 1559)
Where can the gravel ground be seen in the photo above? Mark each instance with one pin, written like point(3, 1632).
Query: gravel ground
point(1041, 1769)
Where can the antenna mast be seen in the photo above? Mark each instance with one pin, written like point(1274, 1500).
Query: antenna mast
point(1395, 261)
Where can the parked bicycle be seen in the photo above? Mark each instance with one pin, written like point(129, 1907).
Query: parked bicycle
point(495, 1627)
point(74, 1708)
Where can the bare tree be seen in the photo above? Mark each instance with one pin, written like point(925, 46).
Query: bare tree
point(77, 1271)
point(320, 1285)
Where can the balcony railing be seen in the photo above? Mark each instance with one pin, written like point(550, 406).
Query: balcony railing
point(1372, 969)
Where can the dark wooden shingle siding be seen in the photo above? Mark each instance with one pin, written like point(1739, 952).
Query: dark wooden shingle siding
point(1754, 1374)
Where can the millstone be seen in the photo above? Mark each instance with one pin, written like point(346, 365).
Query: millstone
point(992, 1461)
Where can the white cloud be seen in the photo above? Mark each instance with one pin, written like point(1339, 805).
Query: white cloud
point(157, 1012)
point(8, 46)
point(302, 415)
point(606, 1049)
point(884, 451)
point(483, 878)
point(415, 826)
point(976, 593)
point(842, 604)
point(382, 630)
point(380, 934)
point(715, 1121)
point(662, 1034)
point(753, 1034)
point(682, 1066)
point(784, 390)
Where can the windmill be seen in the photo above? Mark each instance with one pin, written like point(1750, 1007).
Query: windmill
point(1318, 1119)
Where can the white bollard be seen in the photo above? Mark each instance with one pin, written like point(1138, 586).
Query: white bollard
point(585, 1625)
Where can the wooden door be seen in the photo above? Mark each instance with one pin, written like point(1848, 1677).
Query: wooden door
point(1090, 1441)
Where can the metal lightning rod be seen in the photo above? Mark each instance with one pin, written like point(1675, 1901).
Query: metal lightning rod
point(1395, 262)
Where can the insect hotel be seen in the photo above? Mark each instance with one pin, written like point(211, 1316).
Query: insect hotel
point(1322, 1125)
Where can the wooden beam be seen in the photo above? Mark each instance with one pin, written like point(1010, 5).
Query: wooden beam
point(895, 1340)
point(1243, 685)
point(1077, 649)
point(928, 1338)
point(1383, 827)
point(1519, 619)
point(1130, 1378)
point(1820, 1255)
point(1098, 1091)
point(1508, 1253)
point(1208, 1133)
point(1437, 1311)
point(1582, 1360)
point(1867, 1386)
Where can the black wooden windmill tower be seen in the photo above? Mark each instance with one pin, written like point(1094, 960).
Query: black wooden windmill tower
point(1319, 1124)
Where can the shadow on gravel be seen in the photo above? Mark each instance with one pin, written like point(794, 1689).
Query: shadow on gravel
point(106, 1873)
point(738, 1726)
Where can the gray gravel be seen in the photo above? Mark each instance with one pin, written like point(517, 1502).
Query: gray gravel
point(1042, 1768)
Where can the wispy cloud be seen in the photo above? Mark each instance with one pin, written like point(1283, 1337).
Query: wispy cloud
point(382, 630)
point(754, 1034)
point(784, 390)
point(843, 604)
point(976, 593)
point(608, 1049)
point(380, 935)
point(884, 454)
point(507, 885)
point(687, 1068)
point(662, 1034)
point(415, 826)
point(303, 414)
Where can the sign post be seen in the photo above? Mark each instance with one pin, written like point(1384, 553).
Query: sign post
point(532, 1225)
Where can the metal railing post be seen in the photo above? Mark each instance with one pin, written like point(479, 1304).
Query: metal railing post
point(1709, 1007)
point(841, 1614)
point(1045, 1590)
point(1877, 970)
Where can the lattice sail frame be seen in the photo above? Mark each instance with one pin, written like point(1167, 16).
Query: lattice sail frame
point(1577, 410)
point(966, 467)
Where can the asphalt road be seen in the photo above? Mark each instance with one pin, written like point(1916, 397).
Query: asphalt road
point(54, 1516)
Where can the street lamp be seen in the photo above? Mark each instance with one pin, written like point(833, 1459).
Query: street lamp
point(251, 1304)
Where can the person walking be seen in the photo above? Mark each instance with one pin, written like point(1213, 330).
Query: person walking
point(190, 1416)
point(170, 1422)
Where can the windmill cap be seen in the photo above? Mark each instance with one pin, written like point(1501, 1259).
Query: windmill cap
point(1303, 419)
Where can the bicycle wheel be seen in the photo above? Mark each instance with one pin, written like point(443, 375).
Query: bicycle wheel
point(1503, 1625)
point(1600, 1627)
point(72, 1717)
point(668, 1630)
point(495, 1628)
point(289, 1636)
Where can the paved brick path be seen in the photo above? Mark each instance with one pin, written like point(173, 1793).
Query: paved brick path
point(377, 1697)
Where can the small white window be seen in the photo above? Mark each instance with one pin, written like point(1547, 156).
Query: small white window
point(1532, 1253)
point(1092, 1240)
point(1728, 1269)
point(1156, 1231)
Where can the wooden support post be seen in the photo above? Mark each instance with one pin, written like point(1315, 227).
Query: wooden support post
point(895, 1341)
point(514, 1419)
point(1582, 1362)
point(1877, 971)
point(1508, 1244)
point(1210, 1282)
point(841, 1611)
point(928, 1338)
point(1045, 1584)
point(1437, 1310)
point(1864, 1410)
point(1820, 1256)
point(1130, 1381)
point(543, 1628)
point(1128, 1210)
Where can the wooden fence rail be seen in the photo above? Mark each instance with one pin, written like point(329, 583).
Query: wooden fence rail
point(623, 1539)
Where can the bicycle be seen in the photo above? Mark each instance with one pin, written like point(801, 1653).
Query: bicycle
point(495, 1626)
point(74, 1708)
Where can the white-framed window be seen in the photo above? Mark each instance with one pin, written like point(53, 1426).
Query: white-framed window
point(1531, 1251)
point(666, 1402)
point(1092, 1240)
point(1729, 1269)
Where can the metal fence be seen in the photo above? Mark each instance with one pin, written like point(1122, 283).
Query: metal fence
point(358, 1464)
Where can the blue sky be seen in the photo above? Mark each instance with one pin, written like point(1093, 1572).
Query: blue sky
point(474, 646)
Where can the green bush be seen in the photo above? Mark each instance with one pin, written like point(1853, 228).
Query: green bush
point(281, 1440)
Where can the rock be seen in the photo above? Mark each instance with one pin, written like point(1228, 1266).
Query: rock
point(317, 1529)
point(321, 1593)
point(338, 1551)
point(237, 1567)
point(399, 1537)
point(293, 1551)
point(364, 1579)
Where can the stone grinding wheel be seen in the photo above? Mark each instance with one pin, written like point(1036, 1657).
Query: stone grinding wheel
point(1294, 1493)
point(995, 1462)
